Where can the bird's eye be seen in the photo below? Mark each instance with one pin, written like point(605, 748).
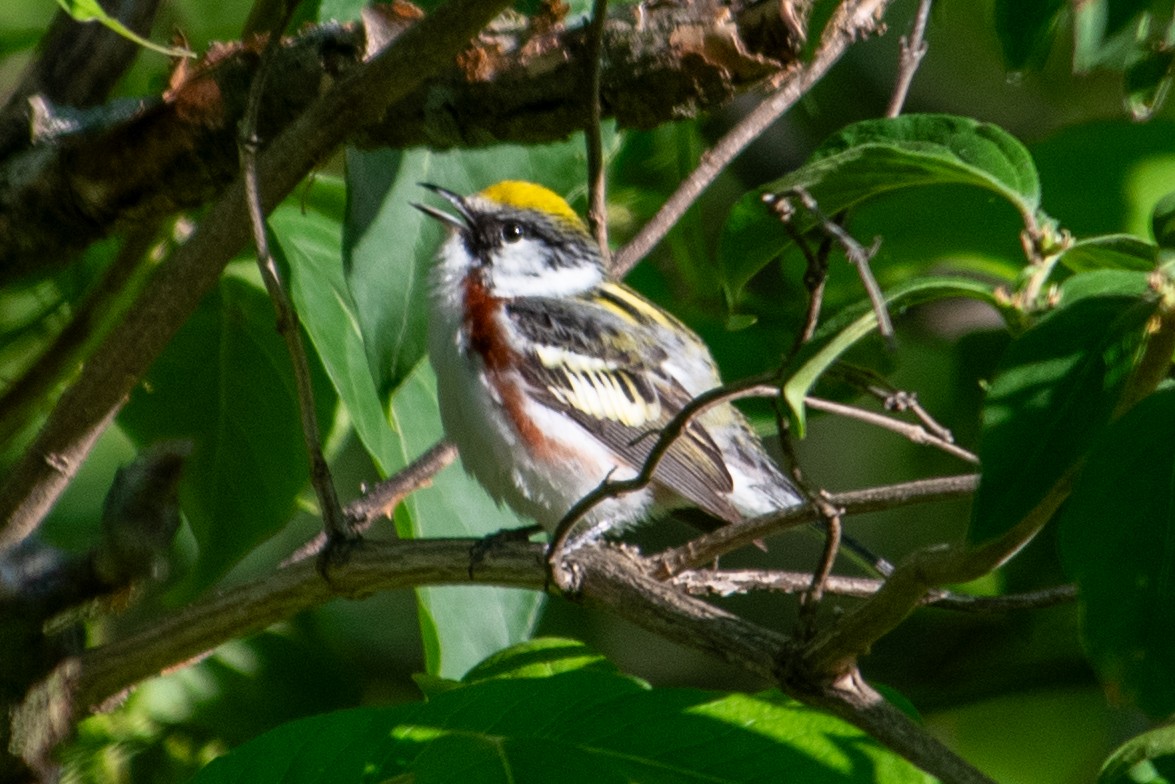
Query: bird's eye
point(512, 232)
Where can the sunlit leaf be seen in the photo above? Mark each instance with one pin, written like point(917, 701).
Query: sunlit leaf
point(574, 724)
point(1148, 758)
point(91, 11)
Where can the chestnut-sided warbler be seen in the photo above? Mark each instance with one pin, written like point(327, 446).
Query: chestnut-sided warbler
point(551, 377)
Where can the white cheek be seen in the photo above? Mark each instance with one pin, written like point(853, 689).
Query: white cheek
point(519, 269)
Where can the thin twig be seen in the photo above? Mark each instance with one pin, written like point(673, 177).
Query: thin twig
point(913, 49)
point(382, 499)
point(852, 19)
point(597, 193)
point(857, 254)
point(815, 279)
point(915, 433)
point(892, 398)
point(837, 648)
point(834, 528)
point(173, 291)
point(758, 386)
point(704, 549)
point(731, 582)
point(288, 324)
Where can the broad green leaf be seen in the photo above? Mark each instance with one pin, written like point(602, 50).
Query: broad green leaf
point(840, 333)
point(1118, 543)
point(1056, 387)
point(574, 725)
point(1026, 30)
point(1112, 252)
point(869, 159)
point(91, 11)
point(310, 241)
point(389, 246)
point(460, 625)
point(225, 383)
point(1148, 758)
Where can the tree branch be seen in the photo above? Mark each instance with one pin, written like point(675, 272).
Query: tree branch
point(77, 65)
point(706, 548)
point(852, 19)
point(521, 82)
point(176, 287)
point(289, 326)
point(613, 580)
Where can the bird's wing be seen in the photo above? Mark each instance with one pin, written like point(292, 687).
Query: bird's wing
point(591, 360)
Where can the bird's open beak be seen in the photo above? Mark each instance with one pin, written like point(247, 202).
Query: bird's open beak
point(464, 218)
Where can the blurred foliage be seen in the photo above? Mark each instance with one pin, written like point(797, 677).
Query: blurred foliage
point(1024, 115)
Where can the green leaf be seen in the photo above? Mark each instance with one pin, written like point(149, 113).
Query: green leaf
point(1148, 758)
point(1026, 30)
point(309, 241)
point(1132, 161)
point(460, 625)
point(1106, 33)
point(1147, 83)
point(574, 725)
point(1056, 387)
point(1110, 252)
point(840, 333)
point(539, 658)
point(389, 246)
point(91, 11)
point(869, 159)
point(225, 383)
point(1118, 543)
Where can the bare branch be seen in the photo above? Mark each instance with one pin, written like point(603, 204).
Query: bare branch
point(176, 287)
point(729, 582)
point(705, 549)
point(77, 64)
point(597, 193)
point(613, 581)
point(857, 254)
point(521, 82)
point(913, 50)
point(836, 649)
point(852, 19)
point(915, 433)
point(288, 324)
point(385, 496)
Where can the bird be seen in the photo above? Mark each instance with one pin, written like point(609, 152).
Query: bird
point(552, 377)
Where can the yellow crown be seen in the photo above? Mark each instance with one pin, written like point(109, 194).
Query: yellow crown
point(528, 196)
